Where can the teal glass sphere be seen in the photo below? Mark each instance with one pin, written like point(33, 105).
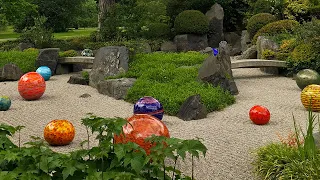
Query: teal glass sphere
point(45, 72)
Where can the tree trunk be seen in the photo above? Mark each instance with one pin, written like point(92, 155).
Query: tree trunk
point(104, 6)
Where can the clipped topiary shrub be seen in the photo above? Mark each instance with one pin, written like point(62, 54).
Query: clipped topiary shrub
point(277, 27)
point(191, 22)
point(288, 45)
point(157, 30)
point(69, 53)
point(24, 60)
point(303, 53)
point(257, 21)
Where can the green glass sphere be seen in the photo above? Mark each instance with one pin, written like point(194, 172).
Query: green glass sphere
point(306, 77)
point(5, 103)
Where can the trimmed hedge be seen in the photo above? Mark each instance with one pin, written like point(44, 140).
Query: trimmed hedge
point(24, 60)
point(257, 21)
point(157, 30)
point(69, 53)
point(172, 78)
point(191, 22)
point(277, 27)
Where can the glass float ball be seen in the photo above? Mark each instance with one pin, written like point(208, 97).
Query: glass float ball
point(310, 97)
point(142, 126)
point(306, 77)
point(87, 53)
point(59, 132)
point(259, 115)
point(31, 86)
point(149, 105)
point(5, 103)
point(45, 72)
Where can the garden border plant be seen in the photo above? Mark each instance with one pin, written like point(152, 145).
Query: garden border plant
point(105, 161)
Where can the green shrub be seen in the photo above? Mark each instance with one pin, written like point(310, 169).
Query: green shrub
point(191, 22)
point(268, 54)
point(314, 11)
point(157, 30)
point(85, 75)
point(24, 60)
point(257, 21)
point(288, 45)
point(69, 53)
point(172, 78)
point(277, 27)
point(303, 53)
point(9, 45)
point(262, 6)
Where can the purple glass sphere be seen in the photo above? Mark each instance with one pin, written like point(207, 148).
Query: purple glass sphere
point(149, 105)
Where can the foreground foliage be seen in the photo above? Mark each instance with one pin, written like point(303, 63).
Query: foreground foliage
point(106, 161)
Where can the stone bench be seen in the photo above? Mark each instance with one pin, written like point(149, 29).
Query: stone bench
point(73, 64)
point(251, 63)
point(76, 60)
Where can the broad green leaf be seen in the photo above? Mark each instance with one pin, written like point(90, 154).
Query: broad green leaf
point(68, 170)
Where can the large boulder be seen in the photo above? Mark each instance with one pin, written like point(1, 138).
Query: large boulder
point(23, 46)
point(245, 40)
point(10, 72)
point(263, 44)
point(48, 57)
point(168, 46)
point(109, 61)
point(116, 88)
point(234, 40)
point(217, 70)
point(192, 109)
point(215, 16)
point(250, 53)
point(190, 42)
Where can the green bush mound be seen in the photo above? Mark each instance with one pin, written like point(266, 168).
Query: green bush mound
point(277, 27)
point(303, 53)
point(69, 53)
point(172, 78)
point(157, 30)
point(191, 22)
point(9, 45)
point(257, 21)
point(24, 60)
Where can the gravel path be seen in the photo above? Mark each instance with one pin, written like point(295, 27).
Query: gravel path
point(228, 134)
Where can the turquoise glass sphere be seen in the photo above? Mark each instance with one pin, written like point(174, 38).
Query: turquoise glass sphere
point(5, 103)
point(45, 72)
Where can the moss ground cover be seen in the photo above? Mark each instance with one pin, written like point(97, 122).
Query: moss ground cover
point(172, 78)
point(24, 60)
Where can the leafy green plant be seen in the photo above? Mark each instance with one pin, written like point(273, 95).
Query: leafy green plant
point(297, 158)
point(85, 75)
point(191, 22)
point(24, 60)
point(106, 161)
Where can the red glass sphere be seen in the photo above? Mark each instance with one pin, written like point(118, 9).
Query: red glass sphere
point(259, 115)
point(59, 132)
point(142, 126)
point(31, 86)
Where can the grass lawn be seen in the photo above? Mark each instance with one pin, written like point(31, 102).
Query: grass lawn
point(8, 34)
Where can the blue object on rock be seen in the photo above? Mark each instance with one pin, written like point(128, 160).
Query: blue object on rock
point(149, 105)
point(45, 72)
point(215, 51)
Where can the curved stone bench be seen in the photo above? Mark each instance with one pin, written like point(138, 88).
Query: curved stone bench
point(76, 60)
point(250, 63)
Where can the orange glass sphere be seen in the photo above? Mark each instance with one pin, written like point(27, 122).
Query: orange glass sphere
point(31, 86)
point(59, 132)
point(142, 126)
point(310, 97)
point(259, 115)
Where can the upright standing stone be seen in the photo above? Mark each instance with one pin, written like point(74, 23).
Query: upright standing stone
point(215, 16)
point(192, 109)
point(10, 72)
point(48, 57)
point(245, 40)
point(109, 61)
point(217, 70)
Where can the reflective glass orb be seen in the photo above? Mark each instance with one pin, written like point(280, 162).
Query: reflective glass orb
point(149, 105)
point(306, 77)
point(142, 126)
point(59, 132)
point(31, 86)
point(310, 97)
point(45, 72)
point(259, 115)
point(5, 103)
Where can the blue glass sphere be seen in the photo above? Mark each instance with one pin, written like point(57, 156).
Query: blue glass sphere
point(45, 72)
point(149, 105)
point(215, 51)
point(5, 103)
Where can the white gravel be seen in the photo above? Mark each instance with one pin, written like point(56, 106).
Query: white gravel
point(228, 134)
